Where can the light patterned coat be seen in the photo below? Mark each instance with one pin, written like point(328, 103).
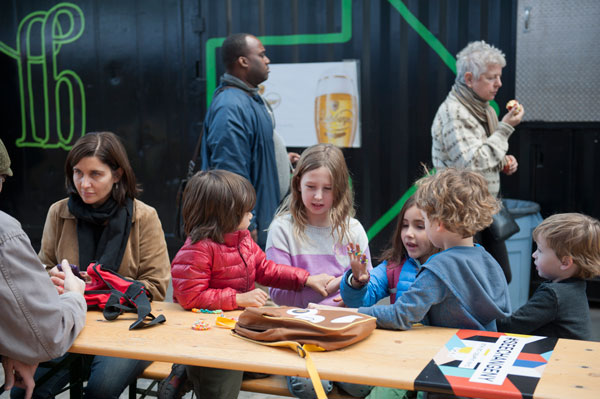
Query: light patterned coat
point(460, 140)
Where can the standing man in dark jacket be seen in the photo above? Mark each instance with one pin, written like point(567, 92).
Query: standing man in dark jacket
point(239, 133)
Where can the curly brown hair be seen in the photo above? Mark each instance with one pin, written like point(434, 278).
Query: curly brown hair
point(575, 235)
point(457, 198)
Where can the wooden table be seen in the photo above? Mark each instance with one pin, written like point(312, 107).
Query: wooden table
point(386, 358)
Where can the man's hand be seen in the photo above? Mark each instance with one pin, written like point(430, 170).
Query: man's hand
point(18, 374)
point(510, 165)
point(65, 280)
point(294, 157)
point(254, 298)
point(71, 282)
point(514, 116)
point(319, 283)
point(358, 263)
point(58, 279)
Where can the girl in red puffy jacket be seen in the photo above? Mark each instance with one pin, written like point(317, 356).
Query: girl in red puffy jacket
point(217, 266)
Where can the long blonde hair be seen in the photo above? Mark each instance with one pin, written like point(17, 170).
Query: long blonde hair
point(332, 158)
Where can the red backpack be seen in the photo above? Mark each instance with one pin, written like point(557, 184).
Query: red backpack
point(116, 294)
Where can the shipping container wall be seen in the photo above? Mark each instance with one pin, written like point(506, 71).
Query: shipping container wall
point(146, 69)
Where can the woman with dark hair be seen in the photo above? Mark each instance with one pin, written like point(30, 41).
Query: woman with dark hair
point(102, 221)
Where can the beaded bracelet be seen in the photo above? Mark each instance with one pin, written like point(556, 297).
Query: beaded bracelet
point(196, 310)
point(201, 325)
point(360, 284)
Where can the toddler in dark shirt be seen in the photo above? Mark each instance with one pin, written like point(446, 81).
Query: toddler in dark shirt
point(568, 252)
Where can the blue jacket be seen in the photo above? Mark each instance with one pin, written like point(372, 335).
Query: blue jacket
point(461, 287)
point(378, 287)
point(238, 137)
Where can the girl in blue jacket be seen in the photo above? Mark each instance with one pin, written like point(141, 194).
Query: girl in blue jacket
point(409, 248)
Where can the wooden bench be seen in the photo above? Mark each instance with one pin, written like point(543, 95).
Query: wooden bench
point(273, 385)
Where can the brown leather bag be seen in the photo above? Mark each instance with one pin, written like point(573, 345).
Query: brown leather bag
point(304, 331)
point(318, 328)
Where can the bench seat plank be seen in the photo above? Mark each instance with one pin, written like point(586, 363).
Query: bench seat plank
point(273, 385)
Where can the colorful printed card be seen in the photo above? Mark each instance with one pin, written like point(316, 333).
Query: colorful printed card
point(489, 365)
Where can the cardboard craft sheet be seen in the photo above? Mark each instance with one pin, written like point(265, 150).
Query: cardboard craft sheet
point(488, 364)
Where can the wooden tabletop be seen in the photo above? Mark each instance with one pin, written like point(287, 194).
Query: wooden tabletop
point(386, 358)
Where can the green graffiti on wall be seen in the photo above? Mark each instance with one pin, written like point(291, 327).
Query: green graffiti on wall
point(42, 84)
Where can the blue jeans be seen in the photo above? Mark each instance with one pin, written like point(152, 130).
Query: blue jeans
point(108, 377)
point(303, 388)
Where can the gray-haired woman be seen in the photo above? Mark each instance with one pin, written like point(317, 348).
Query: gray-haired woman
point(466, 132)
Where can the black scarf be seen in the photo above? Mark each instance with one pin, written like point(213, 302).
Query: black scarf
point(111, 222)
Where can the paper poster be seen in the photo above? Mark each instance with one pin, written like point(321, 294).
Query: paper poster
point(487, 364)
point(315, 102)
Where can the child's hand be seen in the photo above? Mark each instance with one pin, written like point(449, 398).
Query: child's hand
point(333, 285)
point(319, 283)
point(358, 263)
point(255, 298)
point(339, 301)
point(328, 307)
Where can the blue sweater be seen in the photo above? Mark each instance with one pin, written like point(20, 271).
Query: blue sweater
point(238, 137)
point(378, 287)
point(461, 287)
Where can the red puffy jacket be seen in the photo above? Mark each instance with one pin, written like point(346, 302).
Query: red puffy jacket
point(208, 275)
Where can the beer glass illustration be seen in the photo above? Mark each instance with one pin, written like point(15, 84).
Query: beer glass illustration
point(336, 110)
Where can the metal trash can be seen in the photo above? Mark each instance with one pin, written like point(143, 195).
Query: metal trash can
point(519, 247)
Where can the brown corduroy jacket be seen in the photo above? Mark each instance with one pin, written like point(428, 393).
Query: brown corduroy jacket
point(145, 259)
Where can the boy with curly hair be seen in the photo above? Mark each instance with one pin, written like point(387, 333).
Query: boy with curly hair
point(462, 286)
point(568, 252)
